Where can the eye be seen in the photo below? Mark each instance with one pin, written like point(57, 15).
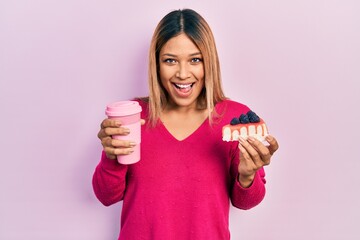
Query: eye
point(196, 60)
point(169, 60)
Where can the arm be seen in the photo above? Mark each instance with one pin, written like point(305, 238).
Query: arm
point(246, 198)
point(248, 170)
point(250, 196)
point(109, 181)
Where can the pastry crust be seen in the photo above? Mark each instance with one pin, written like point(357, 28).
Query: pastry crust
point(233, 132)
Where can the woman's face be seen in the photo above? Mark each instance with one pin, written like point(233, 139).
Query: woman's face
point(181, 71)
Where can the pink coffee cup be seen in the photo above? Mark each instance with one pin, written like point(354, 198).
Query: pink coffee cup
point(128, 113)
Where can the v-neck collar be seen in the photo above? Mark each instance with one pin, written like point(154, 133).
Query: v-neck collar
point(187, 138)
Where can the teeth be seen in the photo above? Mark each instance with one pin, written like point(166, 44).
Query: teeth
point(183, 85)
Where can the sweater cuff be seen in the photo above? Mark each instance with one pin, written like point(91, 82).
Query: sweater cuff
point(110, 164)
point(246, 198)
point(255, 183)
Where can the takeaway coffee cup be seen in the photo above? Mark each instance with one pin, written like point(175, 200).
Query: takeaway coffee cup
point(128, 113)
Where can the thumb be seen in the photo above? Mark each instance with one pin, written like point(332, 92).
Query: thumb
point(273, 144)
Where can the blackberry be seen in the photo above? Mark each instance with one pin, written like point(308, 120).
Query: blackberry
point(234, 121)
point(244, 118)
point(253, 118)
point(250, 113)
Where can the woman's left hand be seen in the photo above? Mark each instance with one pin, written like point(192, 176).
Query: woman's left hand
point(253, 156)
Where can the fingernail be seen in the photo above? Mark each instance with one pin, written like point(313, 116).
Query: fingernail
point(268, 138)
point(251, 139)
point(132, 144)
point(126, 130)
point(118, 123)
point(241, 139)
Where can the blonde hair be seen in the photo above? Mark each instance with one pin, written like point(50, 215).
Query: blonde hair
point(189, 22)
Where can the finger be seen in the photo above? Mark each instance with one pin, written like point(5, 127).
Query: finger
point(108, 132)
point(253, 153)
point(118, 151)
point(246, 166)
point(102, 134)
point(110, 123)
point(273, 144)
point(142, 121)
point(261, 149)
point(110, 142)
point(244, 155)
point(106, 141)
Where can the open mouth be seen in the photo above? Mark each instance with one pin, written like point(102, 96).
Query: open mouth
point(183, 87)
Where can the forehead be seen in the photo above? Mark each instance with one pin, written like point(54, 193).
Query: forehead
point(180, 45)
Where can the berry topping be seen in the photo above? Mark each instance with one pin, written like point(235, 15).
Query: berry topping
point(253, 118)
point(244, 119)
point(249, 117)
point(235, 121)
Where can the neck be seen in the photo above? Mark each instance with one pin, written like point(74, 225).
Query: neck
point(174, 108)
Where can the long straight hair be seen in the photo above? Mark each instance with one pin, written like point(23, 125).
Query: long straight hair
point(195, 27)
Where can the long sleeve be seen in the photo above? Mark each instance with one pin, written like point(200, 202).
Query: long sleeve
point(246, 198)
point(109, 181)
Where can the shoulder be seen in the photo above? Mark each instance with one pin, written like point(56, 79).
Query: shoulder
point(228, 109)
point(231, 106)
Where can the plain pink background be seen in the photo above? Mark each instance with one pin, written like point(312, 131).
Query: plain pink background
point(296, 63)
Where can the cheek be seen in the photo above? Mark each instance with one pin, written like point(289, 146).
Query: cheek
point(200, 74)
point(164, 79)
point(165, 74)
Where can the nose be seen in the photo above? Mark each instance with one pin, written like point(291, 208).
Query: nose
point(183, 72)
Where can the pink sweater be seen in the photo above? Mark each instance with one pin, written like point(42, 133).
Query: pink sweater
point(179, 189)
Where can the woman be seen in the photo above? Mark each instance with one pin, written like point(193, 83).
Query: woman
point(181, 187)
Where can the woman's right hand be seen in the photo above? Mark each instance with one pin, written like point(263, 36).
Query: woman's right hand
point(113, 147)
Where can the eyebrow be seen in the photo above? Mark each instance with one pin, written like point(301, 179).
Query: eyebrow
point(173, 55)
